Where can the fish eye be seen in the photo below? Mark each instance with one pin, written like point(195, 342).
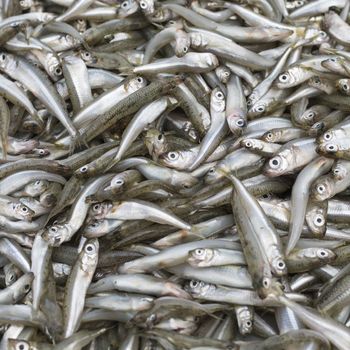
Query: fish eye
point(327, 136)
point(248, 144)
point(139, 80)
point(211, 171)
point(90, 248)
point(266, 282)
point(240, 122)
point(310, 115)
point(345, 86)
point(185, 49)
point(58, 71)
point(274, 162)
point(199, 251)
point(12, 277)
point(143, 4)
point(330, 148)
point(160, 137)
point(336, 171)
point(300, 3)
point(194, 284)
point(53, 229)
point(321, 189)
point(333, 59)
point(41, 151)
point(269, 136)
point(173, 155)
point(283, 77)
point(83, 169)
point(24, 209)
point(26, 287)
point(119, 182)
point(317, 80)
point(125, 4)
point(22, 346)
point(260, 109)
point(185, 186)
point(249, 103)
point(322, 253)
point(96, 207)
point(281, 265)
point(248, 324)
point(322, 33)
point(219, 95)
point(2, 57)
point(319, 220)
point(37, 183)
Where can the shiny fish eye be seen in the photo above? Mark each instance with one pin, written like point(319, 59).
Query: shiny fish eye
point(319, 221)
point(37, 183)
point(310, 115)
point(199, 251)
point(219, 95)
point(83, 169)
point(185, 49)
point(330, 148)
point(321, 189)
point(26, 287)
point(96, 207)
point(58, 71)
point(53, 229)
point(125, 4)
point(172, 155)
point(240, 122)
point(143, 5)
point(22, 346)
point(248, 144)
point(90, 248)
point(327, 136)
point(139, 80)
point(323, 34)
point(211, 171)
point(274, 163)
point(266, 282)
point(260, 109)
point(119, 182)
point(283, 78)
point(2, 57)
point(24, 209)
point(160, 137)
point(281, 265)
point(194, 284)
point(322, 253)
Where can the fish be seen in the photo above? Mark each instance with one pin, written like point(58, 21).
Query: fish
point(174, 174)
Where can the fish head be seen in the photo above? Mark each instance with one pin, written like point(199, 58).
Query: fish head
point(199, 288)
point(223, 73)
point(276, 166)
point(237, 121)
point(323, 188)
point(252, 144)
point(127, 8)
point(217, 100)
point(89, 255)
point(147, 6)
point(135, 84)
point(57, 234)
point(36, 188)
point(343, 85)
point(22, 211)
point(200, 256)
point(99, 210)
point(182, 45)
point(339, 171)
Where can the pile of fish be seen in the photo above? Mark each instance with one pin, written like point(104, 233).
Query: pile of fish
point(174, 174)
